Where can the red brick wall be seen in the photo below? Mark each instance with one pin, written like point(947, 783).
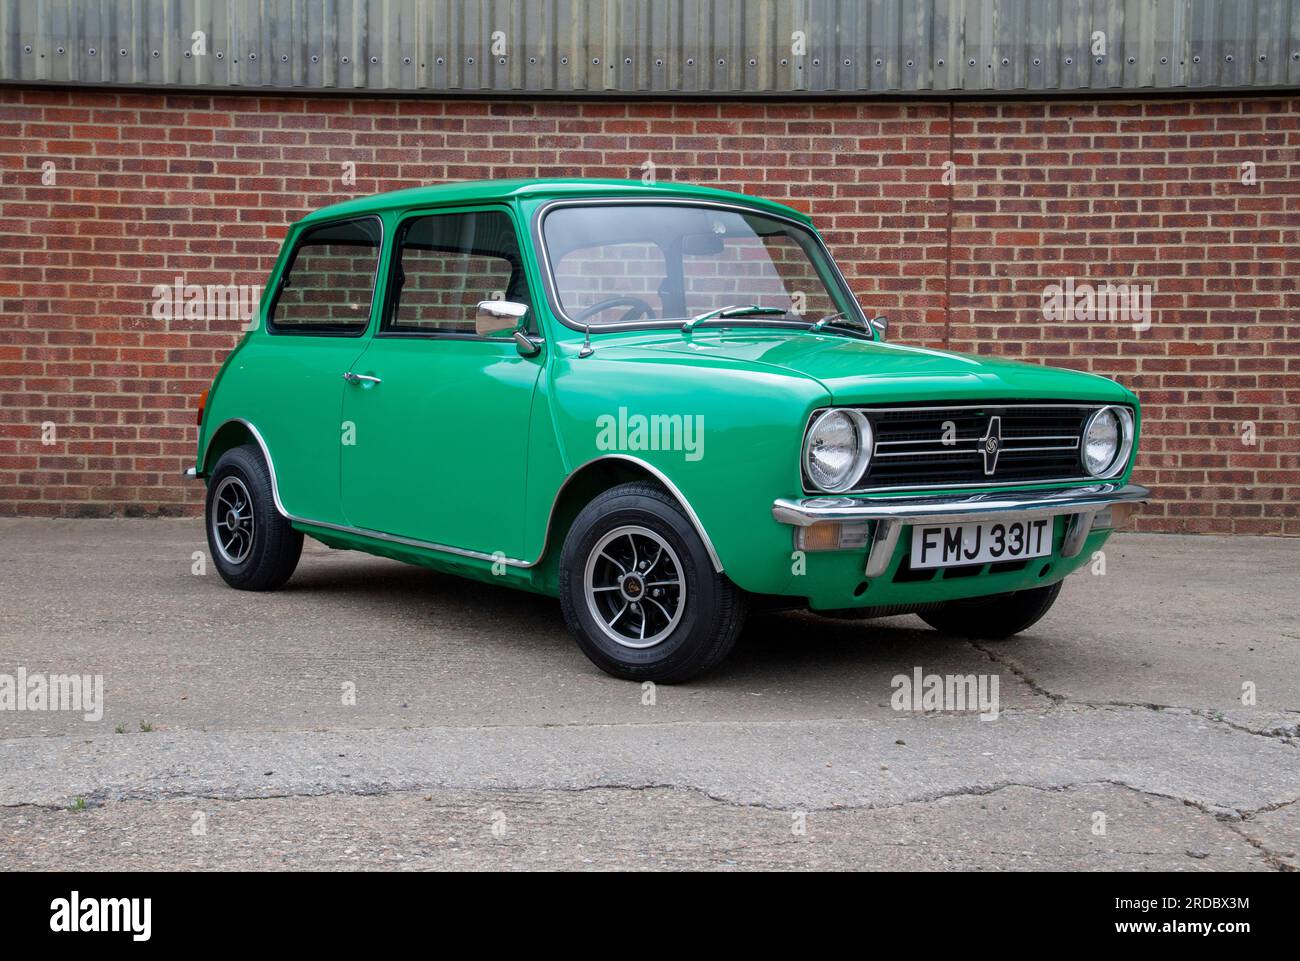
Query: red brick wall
point(149, 186)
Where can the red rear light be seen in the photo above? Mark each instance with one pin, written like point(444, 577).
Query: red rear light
point(203, 402)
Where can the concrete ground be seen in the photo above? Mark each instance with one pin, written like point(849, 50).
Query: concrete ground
point(480, 737)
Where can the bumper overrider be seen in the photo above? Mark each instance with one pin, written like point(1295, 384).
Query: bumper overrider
point(889, 515)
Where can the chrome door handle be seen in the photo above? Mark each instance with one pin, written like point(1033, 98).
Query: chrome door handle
point(352, 378)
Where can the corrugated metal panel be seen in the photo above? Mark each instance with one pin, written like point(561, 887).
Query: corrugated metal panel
point(626, 47)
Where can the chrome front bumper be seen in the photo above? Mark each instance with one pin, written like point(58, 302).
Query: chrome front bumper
point(891, 514)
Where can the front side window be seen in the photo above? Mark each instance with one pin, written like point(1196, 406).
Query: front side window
point(630, 263)
point(445, 264)
point(329, 283)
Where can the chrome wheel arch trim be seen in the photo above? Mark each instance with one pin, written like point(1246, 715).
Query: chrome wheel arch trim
point(460, 551)
point(658, 475)
point(204, 468)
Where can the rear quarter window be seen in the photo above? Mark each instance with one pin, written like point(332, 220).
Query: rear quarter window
point(329, 283)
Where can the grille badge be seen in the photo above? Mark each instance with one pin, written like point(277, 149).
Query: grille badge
point(991, 445)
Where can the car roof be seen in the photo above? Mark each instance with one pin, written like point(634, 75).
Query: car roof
point(487, 191)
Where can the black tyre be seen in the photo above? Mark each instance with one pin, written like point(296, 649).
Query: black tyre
point(253, 547)
point(639, 591)
point(996, 617)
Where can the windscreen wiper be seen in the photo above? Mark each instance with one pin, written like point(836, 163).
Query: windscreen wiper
point(724, 313)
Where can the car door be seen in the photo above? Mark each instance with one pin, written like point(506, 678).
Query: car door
point(439, 413)
point(317, 320)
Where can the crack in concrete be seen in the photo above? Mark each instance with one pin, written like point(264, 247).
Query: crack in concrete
point(1019, 672)
point(1227, 815)
point(1287, 734)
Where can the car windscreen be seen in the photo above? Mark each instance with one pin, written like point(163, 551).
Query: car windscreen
point(636, 263)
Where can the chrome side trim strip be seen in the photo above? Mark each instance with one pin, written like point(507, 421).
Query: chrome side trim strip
point(460, 551)
point(413, 542)
point(957, 509)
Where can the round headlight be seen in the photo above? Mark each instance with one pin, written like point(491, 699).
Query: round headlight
point(1107, 440)
point(837, 450)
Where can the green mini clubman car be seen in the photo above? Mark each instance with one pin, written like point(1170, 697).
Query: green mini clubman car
point(660, 404)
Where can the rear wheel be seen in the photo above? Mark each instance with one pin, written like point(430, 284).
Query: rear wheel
point(996, 617)
point(639, 592)
point(252, 545)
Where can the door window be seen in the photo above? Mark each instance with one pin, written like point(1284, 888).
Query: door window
point(445, 264)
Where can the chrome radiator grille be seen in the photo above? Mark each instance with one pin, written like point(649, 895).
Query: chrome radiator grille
point(975, 445)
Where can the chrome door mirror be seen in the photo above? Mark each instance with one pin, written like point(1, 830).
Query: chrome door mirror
point(880, 327)
point(498, 316)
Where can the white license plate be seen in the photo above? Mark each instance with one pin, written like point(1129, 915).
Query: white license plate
point(955, 545)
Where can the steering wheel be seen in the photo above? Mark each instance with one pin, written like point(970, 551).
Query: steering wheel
point(638, 308)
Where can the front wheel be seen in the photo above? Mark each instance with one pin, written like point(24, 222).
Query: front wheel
point(252, 545)
point(639, 592)
point(993, 618)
